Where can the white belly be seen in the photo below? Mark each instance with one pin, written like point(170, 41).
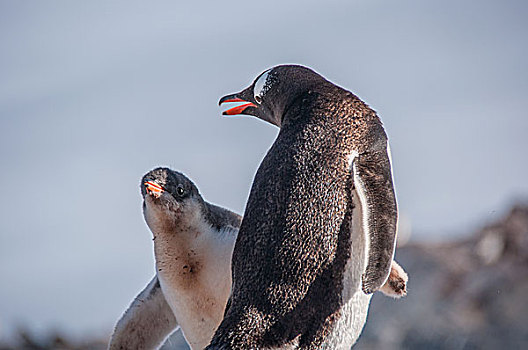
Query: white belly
point(198, 313)
point(348, 327)
point(199, 302)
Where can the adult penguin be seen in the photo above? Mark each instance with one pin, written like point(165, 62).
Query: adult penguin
point(318, 233)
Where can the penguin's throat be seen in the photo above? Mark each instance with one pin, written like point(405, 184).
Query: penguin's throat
point(180, 241)
point(168, 219)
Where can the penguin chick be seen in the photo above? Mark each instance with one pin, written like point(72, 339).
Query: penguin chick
point(193, 243)
point(319, 227)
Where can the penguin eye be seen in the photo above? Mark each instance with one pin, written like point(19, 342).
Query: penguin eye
point(180, 191)
point(261, 86)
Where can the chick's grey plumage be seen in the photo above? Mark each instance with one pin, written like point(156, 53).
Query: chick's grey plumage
point(294, 241)
point(193, 241)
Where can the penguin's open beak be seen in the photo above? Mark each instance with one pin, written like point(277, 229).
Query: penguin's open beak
point(237, 109)
point(153, 189)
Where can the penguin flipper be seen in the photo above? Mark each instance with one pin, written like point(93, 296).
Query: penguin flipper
point(372, 173)
point(147, 322)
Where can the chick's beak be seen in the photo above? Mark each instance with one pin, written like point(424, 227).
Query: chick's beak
point(153, 188)
point(238, 109)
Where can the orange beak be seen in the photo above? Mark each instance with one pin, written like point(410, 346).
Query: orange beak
point(153, 188)
point(238, 109)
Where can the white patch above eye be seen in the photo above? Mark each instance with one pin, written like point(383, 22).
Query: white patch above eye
point(262, 85)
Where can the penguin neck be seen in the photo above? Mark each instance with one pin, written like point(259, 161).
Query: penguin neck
point(303, 106)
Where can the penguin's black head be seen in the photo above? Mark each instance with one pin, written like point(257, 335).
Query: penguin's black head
point(273, 91)
point(167, 184)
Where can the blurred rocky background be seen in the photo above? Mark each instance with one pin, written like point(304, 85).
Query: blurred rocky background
point(465, 294)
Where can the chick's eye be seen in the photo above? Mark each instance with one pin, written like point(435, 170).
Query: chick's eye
point(180, 191)
point(258, 99)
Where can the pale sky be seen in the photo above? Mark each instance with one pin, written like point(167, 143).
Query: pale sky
point(93, 94)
